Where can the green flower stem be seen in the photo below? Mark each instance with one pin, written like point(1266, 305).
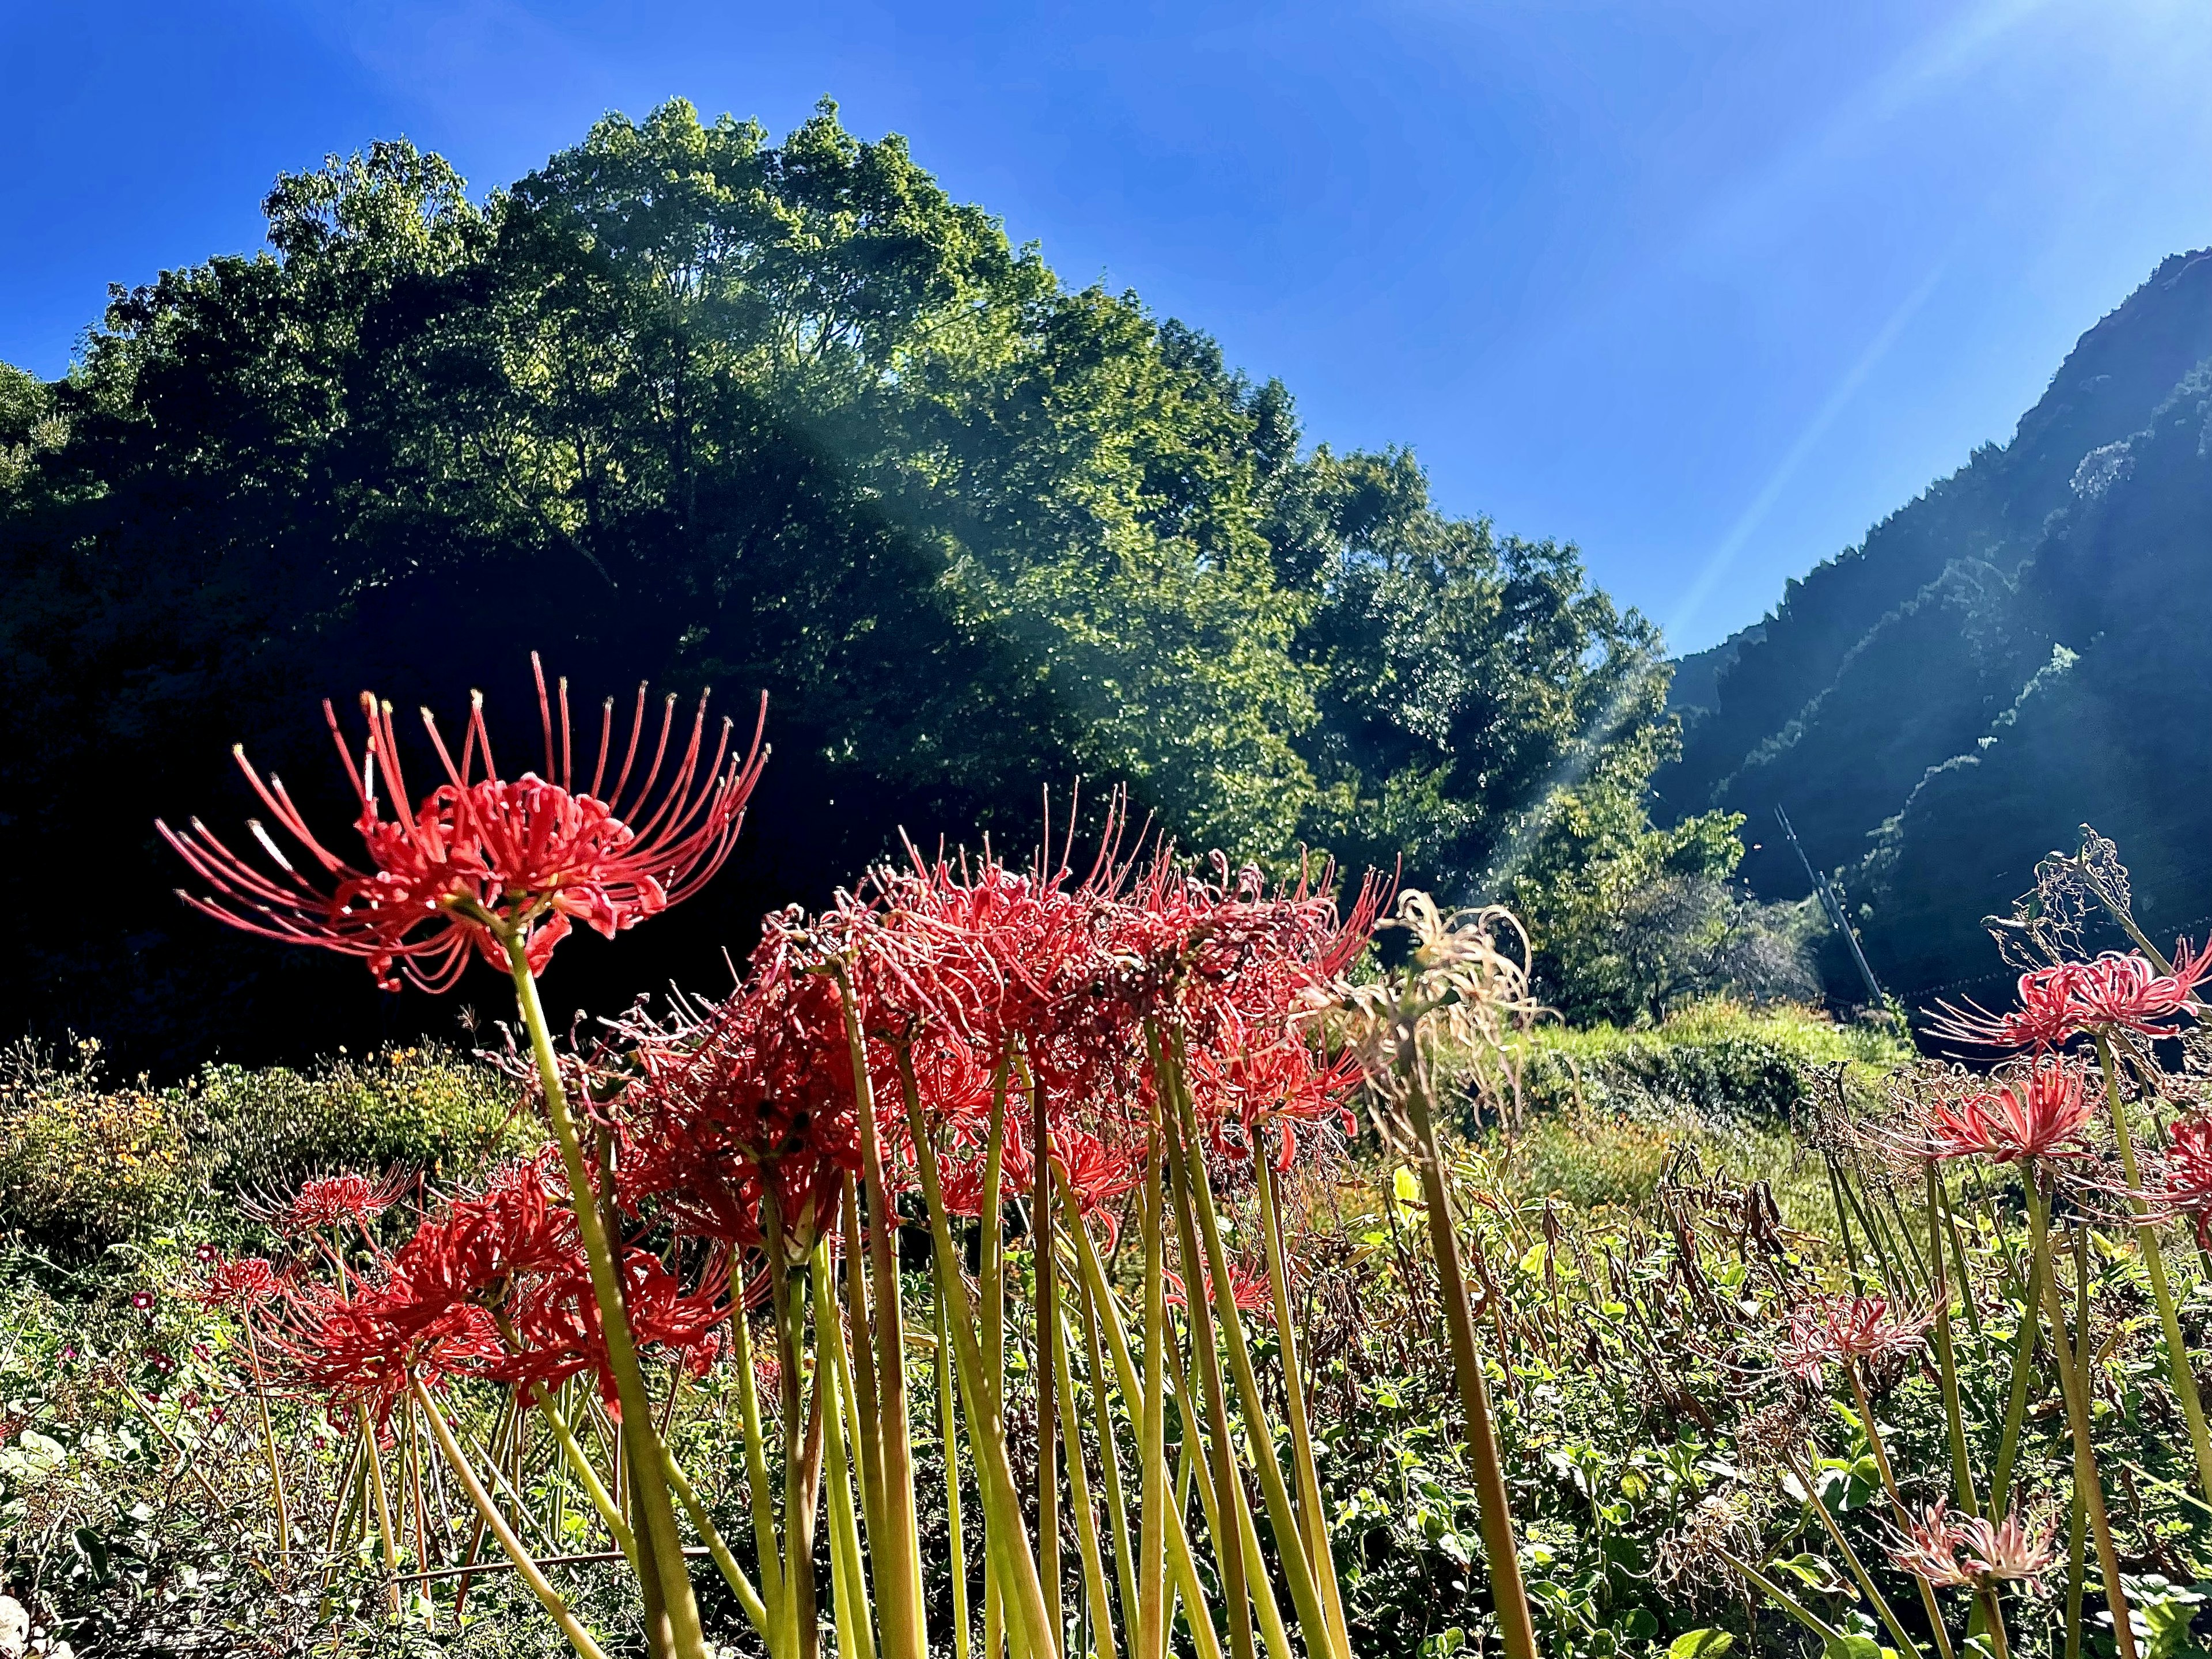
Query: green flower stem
point(1959, 1258)
point(856, 1618)
point(1516, 1629)
point(1897, 1502)
point(1312, 1513)
point(949, 1428)
point(2023, 1356)
point(686, 1638)
point(1843, 1225)
point(1047, 1325)
point(1867, 1588)
point(1150, 1402)
point(867, 1450)
point(1292, 1549)
point(589, 1477)
point(1110, 1451)
point(548, 1597)
point(1228, 1481)
point(2007, 1259)
point(1007, 1555)
point(1919, 1260)
point(1161, 1387)
point(2077, 1567)
point(733, 1574)
point(2073, 1378)
point(991, 1285)
point(1962, 1474)
point(797, 1637)
point(1078, 1493)
point(2077, 1571)
point(1783, 1598)
point(385, 1538)
point(763, 1502)
point(269, 1447)
point(1990, 1621)
point(898, 1552)
point(2177, 1351)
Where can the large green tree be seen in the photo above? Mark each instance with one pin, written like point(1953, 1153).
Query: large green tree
point(689, 404)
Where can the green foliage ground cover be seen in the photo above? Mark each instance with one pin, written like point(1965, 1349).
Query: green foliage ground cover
point(1631, 1288)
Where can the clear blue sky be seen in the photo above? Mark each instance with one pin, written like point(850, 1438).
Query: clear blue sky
point(1707, 288)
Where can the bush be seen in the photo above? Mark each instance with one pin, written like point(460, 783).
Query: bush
point(80, 1165)
point(1715, 1063)
point(257, 1129)
point(84, 1165)
point(1608, 1113)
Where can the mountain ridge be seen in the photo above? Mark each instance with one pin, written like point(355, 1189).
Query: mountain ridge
point(1900, 682)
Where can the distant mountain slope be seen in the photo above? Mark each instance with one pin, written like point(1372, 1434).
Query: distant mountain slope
point(2020, 649)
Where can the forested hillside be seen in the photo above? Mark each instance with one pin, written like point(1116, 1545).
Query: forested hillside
point(689, 405)
point(2024, 648)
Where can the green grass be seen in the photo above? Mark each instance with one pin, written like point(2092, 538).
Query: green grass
point(1717, 1089)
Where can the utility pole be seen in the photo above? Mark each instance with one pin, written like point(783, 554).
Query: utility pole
point(1832, 902)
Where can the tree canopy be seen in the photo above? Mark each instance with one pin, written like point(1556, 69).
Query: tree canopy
point(689, 405)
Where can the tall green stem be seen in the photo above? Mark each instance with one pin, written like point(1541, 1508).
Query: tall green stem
point(2177, 1351)
point(898, 1553)
point(1294, 1554)
point(2073, 1381)
point(1516, 1630)
point(949, 1428)
point(548, 1597)
point(684, 1637)
point(1962, 1474)
point(1313, 1515)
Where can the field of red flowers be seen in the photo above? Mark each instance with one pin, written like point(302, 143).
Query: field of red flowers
point(1103, 1252)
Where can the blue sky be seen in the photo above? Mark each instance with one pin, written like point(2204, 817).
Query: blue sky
point(1705, 287)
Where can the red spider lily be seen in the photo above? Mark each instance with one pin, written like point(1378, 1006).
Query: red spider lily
point(241, 1285)
point(1972, 1553)
point(2041, 1113)
point(484, 858)
point(1257, 1079)
point(2047, 1016)
point(551, 1324)
point(2188, 1188)
point(736, 1101)
point(2126, 993)
point(328, 1201)
point(2114, 991)
point(496, 1287)
point(1249, 1291)
point(1844, 1330)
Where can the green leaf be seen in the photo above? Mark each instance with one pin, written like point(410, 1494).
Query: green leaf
point(1701, 1644)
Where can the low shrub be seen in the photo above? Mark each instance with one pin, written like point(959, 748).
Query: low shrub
point(1715, 1063)
point(83, 1165)
point(86, 1164)
point(426, 1110)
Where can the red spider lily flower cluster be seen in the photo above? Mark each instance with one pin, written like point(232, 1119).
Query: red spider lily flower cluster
point(493, 1286)
point(483, 857)
point(735, 1126)
point(241, 1285)
point(1249, 1291)
point(1844, 1330)
point(2113, 992)
point(325, 1202)
point(1966, 1552)
point(2187, 1188)
point(973, 979)
point(2040, 1112)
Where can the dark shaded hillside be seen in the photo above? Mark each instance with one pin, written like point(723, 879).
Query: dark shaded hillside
point(2016, 652)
